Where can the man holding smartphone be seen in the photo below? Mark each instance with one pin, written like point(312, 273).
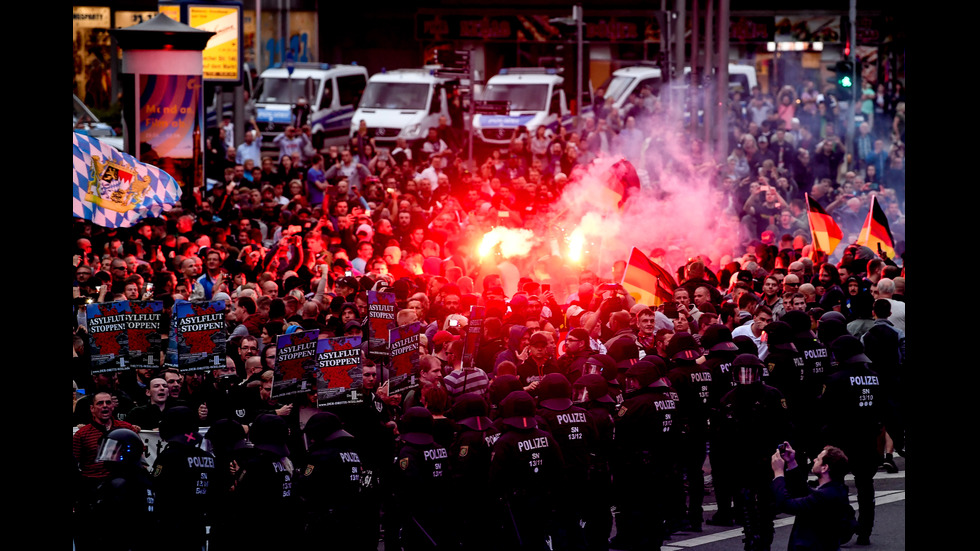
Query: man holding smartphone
point(821, 512)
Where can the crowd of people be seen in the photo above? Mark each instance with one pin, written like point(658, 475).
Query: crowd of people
point(578, 398)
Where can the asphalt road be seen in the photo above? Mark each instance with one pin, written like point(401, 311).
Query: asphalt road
point(888, 533)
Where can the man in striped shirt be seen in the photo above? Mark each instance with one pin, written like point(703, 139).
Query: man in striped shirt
point(463, 379)
point(85, 447)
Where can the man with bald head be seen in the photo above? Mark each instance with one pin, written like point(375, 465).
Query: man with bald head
point(119, 273)
point(791, 283)
point(270, 289)
point(582, 297)
point(84, 245)
point(618, 327)
point(886, 290)
point(190, 268)
point(393, 258)
point(795, 268)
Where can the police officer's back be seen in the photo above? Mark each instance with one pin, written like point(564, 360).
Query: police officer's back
point(721, 352)
point(692, 381)
point(853, 415)
point(182, 477)
point(525, 468)
point(575, 431)
point(753, 422)
point(646, 442)
point(329, 484)
point(421, 482)
point(592, 393)
point(266, 486)
point(470, 465)
point(784, 367)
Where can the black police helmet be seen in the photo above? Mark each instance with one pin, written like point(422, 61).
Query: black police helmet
point(555, 392)
point(270, 432)
point(325, 427)
point(470, 411)
point(849, 350)
point(180, 424)
point(416, 426)
point(121, 446)
point(517, 410)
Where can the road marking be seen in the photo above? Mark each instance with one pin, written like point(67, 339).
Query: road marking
point(881, 498)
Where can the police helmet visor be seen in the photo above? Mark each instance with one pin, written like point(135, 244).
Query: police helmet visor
point(580, 394)
point(749, 374)
point(115, 451)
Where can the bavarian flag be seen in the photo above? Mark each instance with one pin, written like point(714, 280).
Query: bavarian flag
point(112, 188)
point(875, 232)
point(826, 233)
point(647, 281)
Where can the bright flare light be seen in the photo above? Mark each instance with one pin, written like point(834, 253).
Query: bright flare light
point(575, 244)
point(516, 242)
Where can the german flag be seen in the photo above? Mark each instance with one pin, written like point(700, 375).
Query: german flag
point(875, 232)
point(646, 281)
point(619, 180)
point(826, 233)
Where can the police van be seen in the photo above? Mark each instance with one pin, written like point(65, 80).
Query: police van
point(403, 103)
point(631, 80)
point(537, 98)
point(331, 91)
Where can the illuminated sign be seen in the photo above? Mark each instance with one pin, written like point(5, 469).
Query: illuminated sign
point(222, 54)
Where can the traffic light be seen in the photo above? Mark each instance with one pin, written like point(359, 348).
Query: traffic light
point(845, 79)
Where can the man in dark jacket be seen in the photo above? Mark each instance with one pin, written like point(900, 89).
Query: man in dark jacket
point(820, 512)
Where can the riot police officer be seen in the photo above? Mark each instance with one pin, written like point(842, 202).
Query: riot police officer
point(329, 484)
point(592, 393)
point(577, 436)
point(646, 444)
point(266, 484)
point(469, 457)
point(721, 351)
point(816, 367)
point(126, 497)
point(752, 421)
point(182, 477)
point(692, 381)
point(421, 482)
point(525, 467)
point(853, 416)
point(785, 369)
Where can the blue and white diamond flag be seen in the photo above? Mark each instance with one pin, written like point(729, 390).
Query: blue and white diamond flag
point(112, 188)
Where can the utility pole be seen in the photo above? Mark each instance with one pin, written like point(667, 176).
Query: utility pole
point(721, 78)
point(694, 89)
point(709, 92)
point(855, 87)
point(680, 10)
point(578, 16)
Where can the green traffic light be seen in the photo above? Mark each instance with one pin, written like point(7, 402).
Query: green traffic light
point(845, 82)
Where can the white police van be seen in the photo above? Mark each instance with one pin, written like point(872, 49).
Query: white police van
point(631, 80)
point(536, 98)
point(403, 103)
point(331, 91)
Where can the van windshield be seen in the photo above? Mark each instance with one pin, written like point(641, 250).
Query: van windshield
point(284, 90)
point(522, 97)
point(395, 95)
point(615, 87)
